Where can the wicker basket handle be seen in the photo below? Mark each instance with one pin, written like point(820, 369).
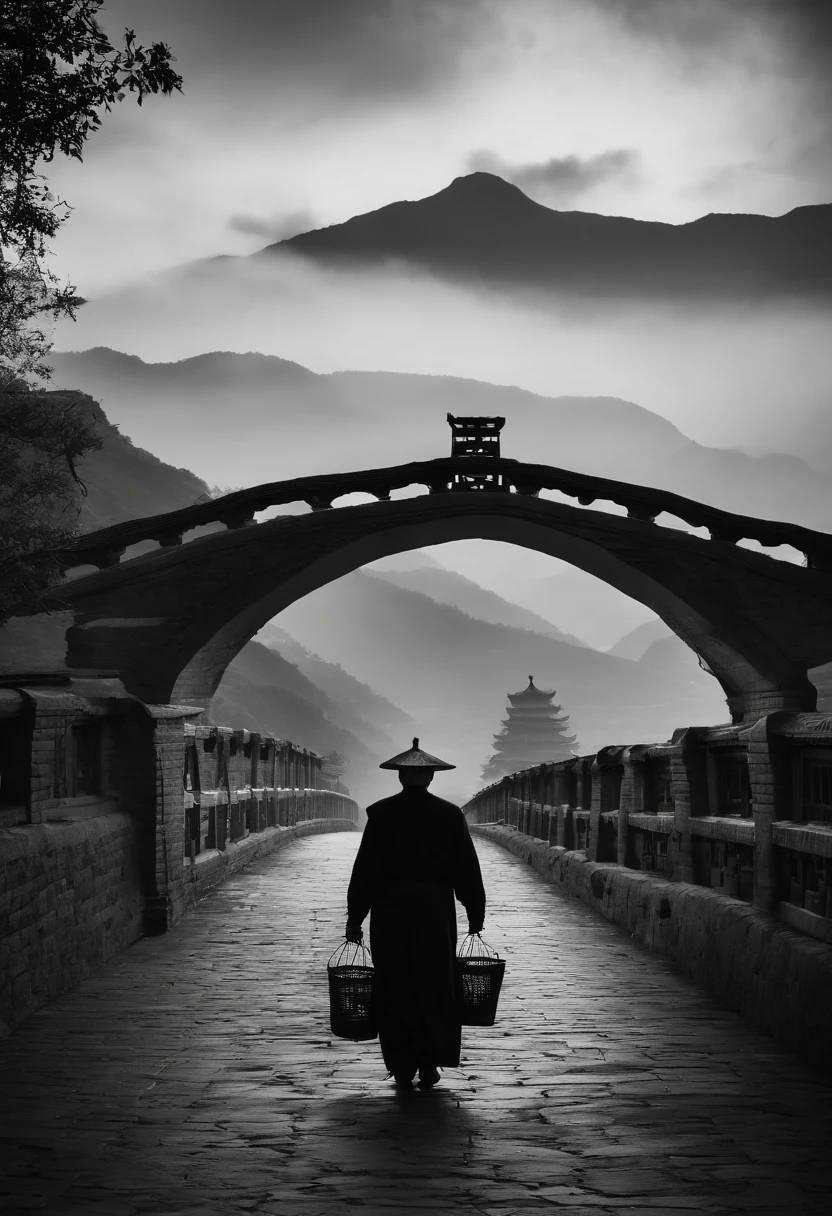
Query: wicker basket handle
point(351, 954)
point(473, 946)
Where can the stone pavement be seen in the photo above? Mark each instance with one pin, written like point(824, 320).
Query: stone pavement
point(195, 1074)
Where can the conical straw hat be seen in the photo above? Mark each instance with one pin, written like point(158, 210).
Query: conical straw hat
point(415, 758)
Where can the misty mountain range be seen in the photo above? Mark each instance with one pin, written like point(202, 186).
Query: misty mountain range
point(243, 419)
point(482, 228)
point(449, 587)
point(720, 325)
point(452, 672)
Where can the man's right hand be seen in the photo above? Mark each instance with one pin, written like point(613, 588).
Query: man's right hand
point(354, 933)
point(474, 928)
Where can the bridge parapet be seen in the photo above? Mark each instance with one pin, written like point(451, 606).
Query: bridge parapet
point(108, 546)
point(116, 815)
point(743, 810)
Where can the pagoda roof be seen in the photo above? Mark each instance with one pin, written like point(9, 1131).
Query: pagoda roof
point(531, 695)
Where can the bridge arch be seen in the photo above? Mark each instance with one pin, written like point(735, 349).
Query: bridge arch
point(171, 621)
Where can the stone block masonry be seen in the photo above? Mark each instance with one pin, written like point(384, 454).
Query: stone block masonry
point(71, 897)
point(781, 980)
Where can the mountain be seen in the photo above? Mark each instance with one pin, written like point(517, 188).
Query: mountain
point(634, 644)
point(123, 481)
point(672, 657)
point(412, 559)
point(373, 716)
point(246, 419)
point(583, 602)
point(448, 587)
point(451, 673)
point(211, 403)
point(262, 691)
point(480, 228)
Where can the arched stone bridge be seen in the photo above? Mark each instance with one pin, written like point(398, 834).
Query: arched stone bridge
point(169, 621)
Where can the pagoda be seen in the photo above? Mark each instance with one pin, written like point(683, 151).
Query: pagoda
point(533, 733)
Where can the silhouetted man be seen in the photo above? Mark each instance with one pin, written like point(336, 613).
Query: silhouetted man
point(415, 855)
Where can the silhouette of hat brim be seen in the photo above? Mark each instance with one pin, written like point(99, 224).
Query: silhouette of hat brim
point(416, 758)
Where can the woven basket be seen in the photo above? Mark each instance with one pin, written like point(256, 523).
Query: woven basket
point(479, 975)
point(351, 978)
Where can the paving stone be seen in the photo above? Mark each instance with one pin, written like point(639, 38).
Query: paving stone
point(195, 1075)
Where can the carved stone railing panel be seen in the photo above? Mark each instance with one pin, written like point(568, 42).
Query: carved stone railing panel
point(642, 504)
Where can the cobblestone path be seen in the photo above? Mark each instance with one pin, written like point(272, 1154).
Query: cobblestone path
point(196, 1074)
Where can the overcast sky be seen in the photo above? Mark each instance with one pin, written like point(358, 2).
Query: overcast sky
point(301, 113)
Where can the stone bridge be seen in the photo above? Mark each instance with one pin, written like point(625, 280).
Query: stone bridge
point(169, 621)
point(713, 849)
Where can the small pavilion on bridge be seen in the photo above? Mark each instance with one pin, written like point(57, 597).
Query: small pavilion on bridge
point(476, 436)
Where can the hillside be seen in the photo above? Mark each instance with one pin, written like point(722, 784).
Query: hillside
point(262, 691)
point(124, 481)
point(379, 722)
point(634, 645)
point(484, 229)
point(581, 602)
point(452, 673)
point(448, 587)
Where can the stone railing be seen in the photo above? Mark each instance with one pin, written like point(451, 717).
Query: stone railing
point(118, 815)
point(108, 546)
point(239, 782)
point(743, 810)
point(215, 818)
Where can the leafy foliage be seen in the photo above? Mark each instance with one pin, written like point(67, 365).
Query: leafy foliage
point(42, 438)
point(58, 73)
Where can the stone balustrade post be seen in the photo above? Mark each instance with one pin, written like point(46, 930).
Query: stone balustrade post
point(165, 902)
point(633, 795)
point(689, 791)
point(770, 778)
point(594, 810)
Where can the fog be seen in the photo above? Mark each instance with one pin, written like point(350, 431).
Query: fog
point(755, 378)
point(451, 670)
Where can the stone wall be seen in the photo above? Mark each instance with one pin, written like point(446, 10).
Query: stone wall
point(71, 897)
point(211, 868)
point(780, 979)
point(102, 799)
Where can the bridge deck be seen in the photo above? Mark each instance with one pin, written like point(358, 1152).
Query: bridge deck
point(195, 1074)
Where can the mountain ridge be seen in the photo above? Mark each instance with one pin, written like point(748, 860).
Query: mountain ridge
point(482, 228)
point(452, 673)
point(382, 418)
point(450, 587)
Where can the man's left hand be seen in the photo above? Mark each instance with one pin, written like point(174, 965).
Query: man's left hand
point(354, 933)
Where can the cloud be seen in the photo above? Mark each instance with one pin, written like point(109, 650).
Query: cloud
point(797, 32)
point(280, 228)
point(563, 177)
point(788, 43)
point(315, 50)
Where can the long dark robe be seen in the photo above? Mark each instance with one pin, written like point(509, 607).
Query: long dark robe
point(416, 854)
